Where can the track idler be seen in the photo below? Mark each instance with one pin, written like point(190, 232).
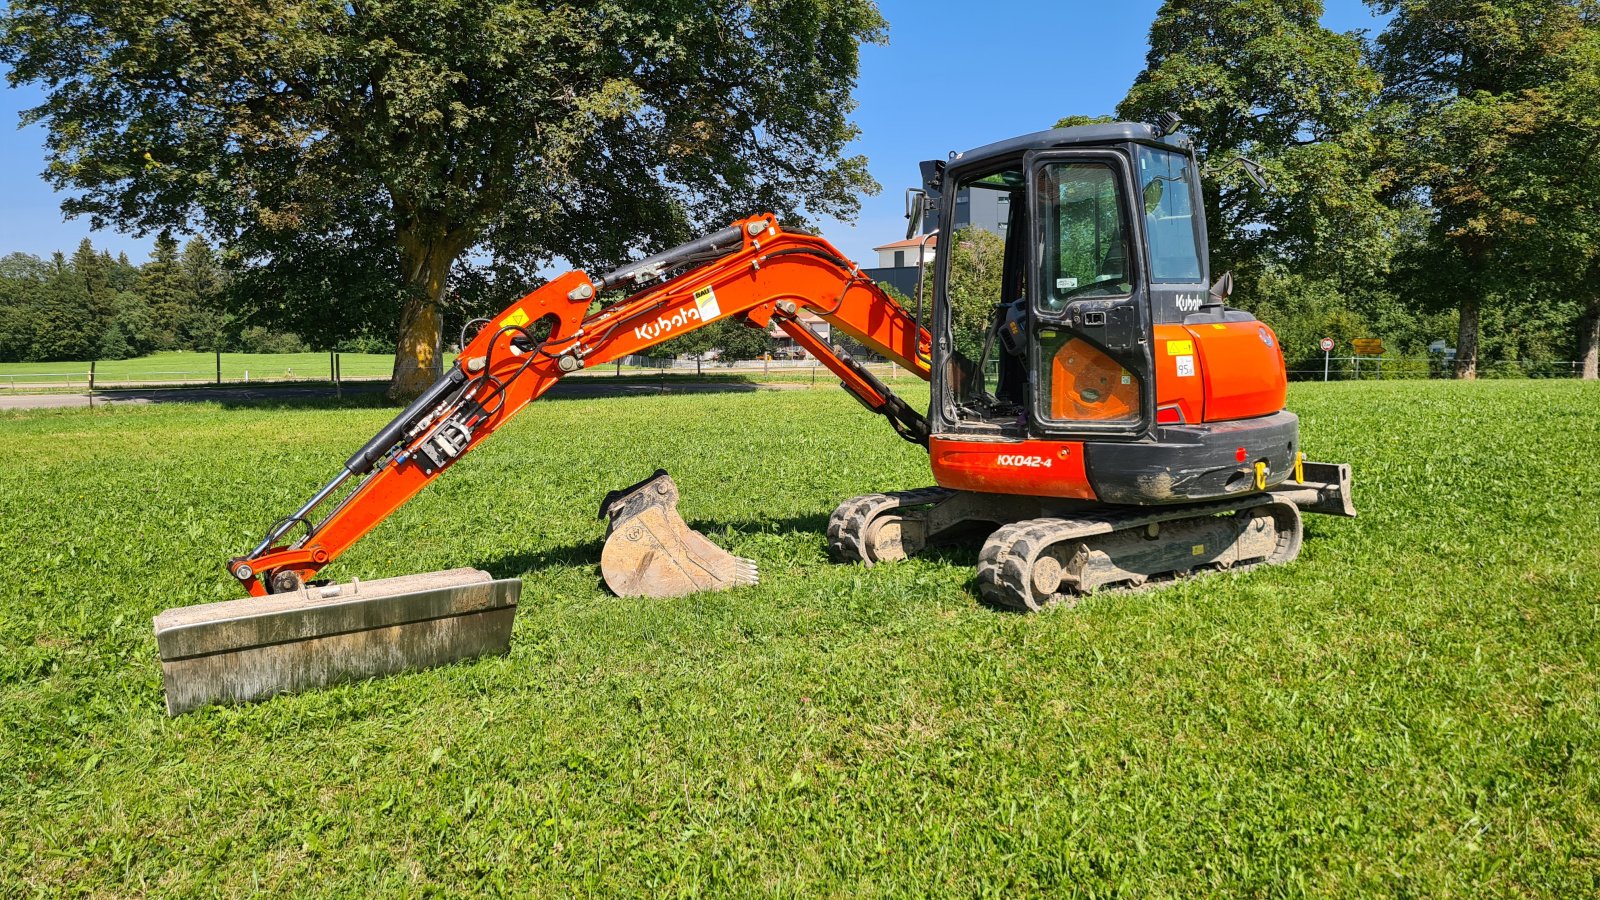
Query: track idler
point(650, 551)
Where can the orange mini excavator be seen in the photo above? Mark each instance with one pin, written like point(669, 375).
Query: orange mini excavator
point(1115, 424)
point(1099, 417)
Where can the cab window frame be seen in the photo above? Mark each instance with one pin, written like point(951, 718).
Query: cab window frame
point(1196, 216)
point(944, 312)
point(1121, 161)
point(1136, 266)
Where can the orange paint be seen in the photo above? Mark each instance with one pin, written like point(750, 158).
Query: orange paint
point(1088, 386)
point(1242, 369)
point(1027, 467)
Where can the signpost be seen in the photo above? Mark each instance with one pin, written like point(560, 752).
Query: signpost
point(1367, 347)
point(1327, 346)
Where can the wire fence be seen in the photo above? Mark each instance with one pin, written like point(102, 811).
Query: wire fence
point(191, 369)
point(178, 370)
point(1379, 368)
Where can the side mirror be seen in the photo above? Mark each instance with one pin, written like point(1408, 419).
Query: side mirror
point(916, 205)
point(1223, 289)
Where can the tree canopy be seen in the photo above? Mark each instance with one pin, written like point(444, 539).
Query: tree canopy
point(433, 132)
point(1444, 169)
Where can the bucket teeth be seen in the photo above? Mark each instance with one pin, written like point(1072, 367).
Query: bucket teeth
point(650, 551)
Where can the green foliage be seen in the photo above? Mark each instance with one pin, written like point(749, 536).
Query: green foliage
point(256, 339)
point(1407, 710)
point(1264, 79)
point(726, 341)
point(420, 131)
point(1440, 178)
point(94, 307)
point(1073, 121)
point(1494, 135)
point(977, 262)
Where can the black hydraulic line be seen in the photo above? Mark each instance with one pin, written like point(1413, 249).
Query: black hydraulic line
point(841, 262)
point(727, 240)
point(385, 440)
point(907, 422)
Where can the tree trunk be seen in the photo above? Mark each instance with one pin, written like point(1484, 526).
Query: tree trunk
point(1589, 340)
point(1467, 340)
point(417, 359)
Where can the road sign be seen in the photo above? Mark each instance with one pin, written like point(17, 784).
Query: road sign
point(1326, 344)
point(1368, 346)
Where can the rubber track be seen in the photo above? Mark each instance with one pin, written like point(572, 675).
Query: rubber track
point(1005, 565)
point(847, 527)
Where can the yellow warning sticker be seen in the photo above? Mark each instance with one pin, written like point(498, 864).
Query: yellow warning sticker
point(1219, 328)
point(1180, 348)
point(705, 301)
point(1197, 550)
point(517, 317)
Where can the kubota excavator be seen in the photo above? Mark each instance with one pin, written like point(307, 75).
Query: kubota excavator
point(1117, 424)
point(1103, 420)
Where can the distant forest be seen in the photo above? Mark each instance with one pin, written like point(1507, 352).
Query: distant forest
point(92, 305)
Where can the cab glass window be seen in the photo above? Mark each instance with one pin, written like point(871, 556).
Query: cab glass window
point(976, 247)
point(1164, 179)
point(1085, 252)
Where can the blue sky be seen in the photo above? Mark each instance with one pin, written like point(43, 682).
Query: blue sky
point(1033, 63)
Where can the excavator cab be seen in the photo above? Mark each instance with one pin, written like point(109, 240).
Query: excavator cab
point(1072, 315)
point(1058, 253)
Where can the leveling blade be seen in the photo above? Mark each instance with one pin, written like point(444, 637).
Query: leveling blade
point(251, 649)
point(650, 551)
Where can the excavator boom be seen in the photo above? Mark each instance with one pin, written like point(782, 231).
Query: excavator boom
point(752, 270)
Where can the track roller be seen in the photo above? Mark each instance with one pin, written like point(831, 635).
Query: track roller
point(1028, 565)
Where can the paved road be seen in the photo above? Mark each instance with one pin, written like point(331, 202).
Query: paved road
point(574, 388)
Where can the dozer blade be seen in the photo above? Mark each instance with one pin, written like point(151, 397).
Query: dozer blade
point(251, 649)
point(651, 552)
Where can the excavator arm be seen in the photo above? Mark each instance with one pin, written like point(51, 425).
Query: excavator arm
point(752, 270)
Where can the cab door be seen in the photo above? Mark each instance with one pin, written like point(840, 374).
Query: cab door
point(1090, 355)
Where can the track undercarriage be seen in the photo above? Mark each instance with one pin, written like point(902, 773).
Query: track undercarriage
point(1039, 551)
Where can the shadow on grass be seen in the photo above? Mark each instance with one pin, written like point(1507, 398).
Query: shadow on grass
point(960, 553)
point(587, 553)
point(370, 395)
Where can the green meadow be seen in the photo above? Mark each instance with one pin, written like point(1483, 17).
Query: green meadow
point(1409, 709)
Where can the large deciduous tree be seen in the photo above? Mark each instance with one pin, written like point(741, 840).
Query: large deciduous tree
point(488, 129)
point(1556, 242)
point(1265, 79)
point(1480, 82)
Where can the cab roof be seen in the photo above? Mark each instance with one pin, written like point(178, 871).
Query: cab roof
point(1057, 138)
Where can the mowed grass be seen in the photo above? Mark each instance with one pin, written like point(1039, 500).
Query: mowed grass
point(1409, 709)
point(177, 366)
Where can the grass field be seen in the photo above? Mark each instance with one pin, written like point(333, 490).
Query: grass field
point(1409, 709)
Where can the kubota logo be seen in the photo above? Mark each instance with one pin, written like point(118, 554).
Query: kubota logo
point(1023, 462)
point(650, 331)
point(1188, 302)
